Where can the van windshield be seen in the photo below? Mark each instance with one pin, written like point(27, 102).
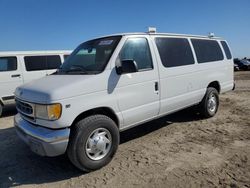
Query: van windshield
point(90, 57)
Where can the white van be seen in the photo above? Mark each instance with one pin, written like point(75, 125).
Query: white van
point(17, 68)
point(113, 83)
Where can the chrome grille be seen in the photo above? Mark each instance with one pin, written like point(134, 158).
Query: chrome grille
point(24, 108)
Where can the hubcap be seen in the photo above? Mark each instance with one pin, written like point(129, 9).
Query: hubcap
point(98, 144)
point(212, 103)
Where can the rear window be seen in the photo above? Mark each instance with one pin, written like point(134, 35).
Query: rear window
point(207, 50)
point(226, 49)
point(36, 63)
point(8, 64)
point(174, 51)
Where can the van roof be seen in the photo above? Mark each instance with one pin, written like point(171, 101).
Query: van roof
point(163, 34)
point(6, 53)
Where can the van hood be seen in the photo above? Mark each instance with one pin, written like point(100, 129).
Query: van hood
point(57, 87)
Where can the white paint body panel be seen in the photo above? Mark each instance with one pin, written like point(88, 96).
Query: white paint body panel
point(8, 84)
point(132, 97)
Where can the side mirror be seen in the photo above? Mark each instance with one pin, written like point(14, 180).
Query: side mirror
point(127, 66)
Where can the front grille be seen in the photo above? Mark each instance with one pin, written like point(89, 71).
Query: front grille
point(29, 118)
point(24, 108)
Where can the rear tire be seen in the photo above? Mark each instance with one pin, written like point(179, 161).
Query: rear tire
point(210, 103)
point(93, 142)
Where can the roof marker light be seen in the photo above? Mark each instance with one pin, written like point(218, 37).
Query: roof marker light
point(210, 35)
point(151, 30)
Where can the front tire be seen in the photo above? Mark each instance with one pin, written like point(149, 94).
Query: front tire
point(93, 142)
point(210, 103)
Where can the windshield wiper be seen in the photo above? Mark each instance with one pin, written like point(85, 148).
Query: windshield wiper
point(75, 69)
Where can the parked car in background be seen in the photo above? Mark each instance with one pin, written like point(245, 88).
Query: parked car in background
point(243, 64)
point(236, 67)
point(17, 68)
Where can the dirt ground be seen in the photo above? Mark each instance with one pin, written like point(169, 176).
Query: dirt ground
point(179, 150)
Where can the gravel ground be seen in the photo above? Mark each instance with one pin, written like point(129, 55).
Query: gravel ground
point(179, 150)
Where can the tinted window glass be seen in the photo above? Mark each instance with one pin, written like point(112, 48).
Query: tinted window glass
point(8, 64)
point(207, 50)
point(53, 62)
point(90, 57)
point(137, 49)
point(65, 57)
point(226, 50)
point(174, 51)
point(36, 63)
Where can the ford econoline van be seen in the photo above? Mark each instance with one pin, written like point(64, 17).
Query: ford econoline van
point(112, 83)
point(17, 68)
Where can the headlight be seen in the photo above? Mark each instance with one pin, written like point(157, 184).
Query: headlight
point(48, 112)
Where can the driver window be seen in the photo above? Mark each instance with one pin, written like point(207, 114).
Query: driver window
point(137, 49)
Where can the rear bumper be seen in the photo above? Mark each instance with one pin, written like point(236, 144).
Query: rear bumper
point(43, 141)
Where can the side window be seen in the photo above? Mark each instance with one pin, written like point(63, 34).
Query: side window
point(53, 61)
point(207, 50)
point(8, 64)
point(37, 63)
point(226, 49)
point(174, 51)
point(137, 49)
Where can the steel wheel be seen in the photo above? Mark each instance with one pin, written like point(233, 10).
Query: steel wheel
point(212, 103)
point(98, 144)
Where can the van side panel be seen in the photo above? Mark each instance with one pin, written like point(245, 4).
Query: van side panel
point(9, 80)
point(183, 86)
point(179, 86)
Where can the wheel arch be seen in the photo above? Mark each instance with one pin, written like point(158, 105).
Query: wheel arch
point(216, 85)
point(99, 110)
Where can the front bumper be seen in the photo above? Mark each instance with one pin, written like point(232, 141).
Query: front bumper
point(43, 141)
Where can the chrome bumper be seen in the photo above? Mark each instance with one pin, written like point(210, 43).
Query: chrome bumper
point(43, 141)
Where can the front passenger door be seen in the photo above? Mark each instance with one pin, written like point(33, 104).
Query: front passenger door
point(137, 93)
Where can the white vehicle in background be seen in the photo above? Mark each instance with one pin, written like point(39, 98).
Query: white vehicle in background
point(17, 68)
point(113, 83)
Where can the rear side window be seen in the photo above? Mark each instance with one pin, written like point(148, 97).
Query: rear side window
point(36, 63)
point(174, 51)
point(226, 49)
point(8, 64)
point(137, 49)
point(207, 50)
point(53, 61)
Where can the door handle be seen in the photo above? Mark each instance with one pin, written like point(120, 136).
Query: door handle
point(156, 86)
point(15, 75)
